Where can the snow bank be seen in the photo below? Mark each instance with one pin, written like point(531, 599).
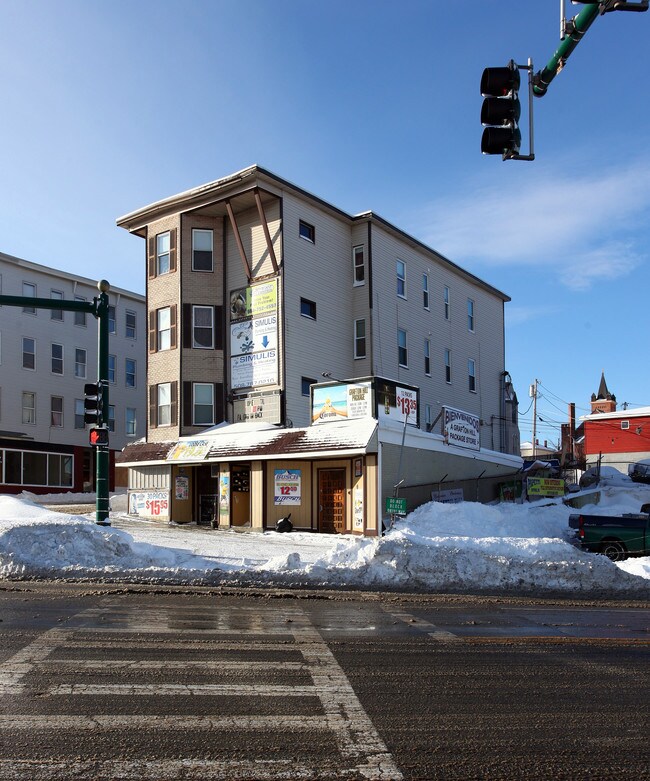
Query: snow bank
point(467, 547)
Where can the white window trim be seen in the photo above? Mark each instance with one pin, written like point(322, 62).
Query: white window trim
point(211, 232)
point(194, 402)
point(357, 339)
point(355, 266)
point(405, 348)
point(427, 357)
point(446, 300)
point(403, 295)
point(196, 346)
point(470, 375)
point(426, 297)
point(471, 318)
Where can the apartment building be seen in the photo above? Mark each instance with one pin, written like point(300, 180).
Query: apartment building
point(257, 291)
point(46, 358)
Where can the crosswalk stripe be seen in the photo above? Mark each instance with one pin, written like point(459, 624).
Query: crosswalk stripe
point(179, 690)
point(105, 722)
point(195, 665)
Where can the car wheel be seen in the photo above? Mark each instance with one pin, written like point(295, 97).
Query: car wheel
point(614, 550)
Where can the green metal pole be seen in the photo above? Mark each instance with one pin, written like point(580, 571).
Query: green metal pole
point(102, 452)
point(581, 23)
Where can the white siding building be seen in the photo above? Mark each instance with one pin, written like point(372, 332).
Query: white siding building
point(46, 358)
point(257, 290)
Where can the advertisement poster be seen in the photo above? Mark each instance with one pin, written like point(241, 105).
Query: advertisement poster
point(287, 486)
point(461, 428)
point(254, 369)
point(182, 487)
point(341, 402)
point(224, 495)
point(149, 504)
point(357, 523)
point(260, 333)
point(254, 301)
point(397, 403)
point(189, 450)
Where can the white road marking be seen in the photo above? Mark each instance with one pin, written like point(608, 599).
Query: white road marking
point(361, 748)
point(431, 629)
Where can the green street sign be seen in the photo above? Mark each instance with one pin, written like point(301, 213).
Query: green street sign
point(395, 506)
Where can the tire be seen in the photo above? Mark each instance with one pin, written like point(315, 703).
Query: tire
point(614, 550)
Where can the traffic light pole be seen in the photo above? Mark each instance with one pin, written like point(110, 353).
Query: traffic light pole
point(99, 309)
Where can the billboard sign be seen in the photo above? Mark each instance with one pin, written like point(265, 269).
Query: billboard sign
point(461, 428)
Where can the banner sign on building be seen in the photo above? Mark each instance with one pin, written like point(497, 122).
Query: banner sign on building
point(286, 486)
point(448, 496)
point(395, 402)
point(461, 428)
point(260, 299)
point(149, 504)
point(341, 402)
point(189, 450)
point(545, 486)
point(254, 335)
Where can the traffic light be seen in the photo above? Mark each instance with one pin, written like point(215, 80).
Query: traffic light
point(93, 403)
point(501, 111)
point(98, 437)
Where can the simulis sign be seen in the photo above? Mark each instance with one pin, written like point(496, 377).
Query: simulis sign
point(461, 428)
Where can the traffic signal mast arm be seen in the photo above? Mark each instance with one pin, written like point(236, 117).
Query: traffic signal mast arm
point(573, 32)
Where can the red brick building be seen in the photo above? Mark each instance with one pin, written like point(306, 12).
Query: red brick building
point(617, 437)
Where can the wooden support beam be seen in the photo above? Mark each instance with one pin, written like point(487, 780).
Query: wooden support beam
point(265, 226)
point(240, 246)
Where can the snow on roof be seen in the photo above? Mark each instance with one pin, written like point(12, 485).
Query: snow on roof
point(239, 441)
point(622, 413)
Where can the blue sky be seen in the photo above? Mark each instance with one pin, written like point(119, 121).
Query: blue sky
point(369, 104)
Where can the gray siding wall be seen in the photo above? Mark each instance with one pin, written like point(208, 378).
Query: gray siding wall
point(485, 345)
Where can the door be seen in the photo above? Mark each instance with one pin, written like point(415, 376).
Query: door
point(331, 500)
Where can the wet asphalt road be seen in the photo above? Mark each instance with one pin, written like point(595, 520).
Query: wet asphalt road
point(198, 684)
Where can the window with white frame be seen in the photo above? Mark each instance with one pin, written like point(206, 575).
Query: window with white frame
point(427, 356)
point(56, 411)
point(164, 403)
point(130, 422)
point(425, 291)
point(79, 414)
point(401, 278)
point(447, 365)
point(130, 324)
point(112, 371)
point(29, 353)
point(163, 253)
point(428, 417)
point(446, 302)
point(29, 291)
point(29, 408)
point(80, 363)
point(625, 424)
point(201, 249)
point(360, 338)
point(402, 348)
point(80, 317)
point(203, 403)
point(56, 314)
point(57, 359)
point(203, 327)
point(164, 328)
point(471, 373)
point(359, 265)
point(470, 314)
point(112, 322)
point(129, 373)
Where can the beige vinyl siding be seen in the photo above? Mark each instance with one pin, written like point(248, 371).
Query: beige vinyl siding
point(320, 272)
point(362, 367)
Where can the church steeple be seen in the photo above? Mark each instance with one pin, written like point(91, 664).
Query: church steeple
point(604, 401)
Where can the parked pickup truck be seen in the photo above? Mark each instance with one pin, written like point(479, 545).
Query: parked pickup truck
point(615, 536)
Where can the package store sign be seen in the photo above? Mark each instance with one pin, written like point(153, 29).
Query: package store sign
point(249, 371)
point(149, 504)
point(461, 428)
point(254, 301)
point(544, 486)
point(287, 486)
point(406, 404)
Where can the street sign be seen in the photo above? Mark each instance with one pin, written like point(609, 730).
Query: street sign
point(395, 506)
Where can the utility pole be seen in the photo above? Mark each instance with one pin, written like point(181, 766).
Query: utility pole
point(533, 393)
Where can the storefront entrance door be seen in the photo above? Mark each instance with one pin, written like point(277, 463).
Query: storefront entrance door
point(331, 500)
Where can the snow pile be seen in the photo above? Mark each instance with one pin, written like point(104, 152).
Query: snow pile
point(467, 547)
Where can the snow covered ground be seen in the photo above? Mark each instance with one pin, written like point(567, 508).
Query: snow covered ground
point(452, 548)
